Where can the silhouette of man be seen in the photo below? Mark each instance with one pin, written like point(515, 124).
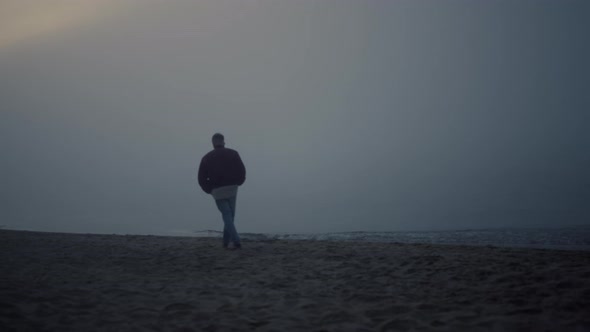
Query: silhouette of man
point(220, 173)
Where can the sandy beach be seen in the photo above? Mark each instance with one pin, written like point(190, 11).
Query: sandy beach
point(87, 282)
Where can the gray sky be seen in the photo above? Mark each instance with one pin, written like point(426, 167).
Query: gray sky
point(349, 115)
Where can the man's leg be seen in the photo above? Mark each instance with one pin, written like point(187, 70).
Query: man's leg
point(234, 233)
point(227, 209)
point(232, 205)
point(226, 213)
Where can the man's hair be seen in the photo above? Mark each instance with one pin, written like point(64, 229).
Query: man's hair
point(218, 140)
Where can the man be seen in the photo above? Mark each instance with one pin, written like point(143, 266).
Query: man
point(220, 173)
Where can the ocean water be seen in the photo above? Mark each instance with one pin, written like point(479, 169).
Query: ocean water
point(564, 238)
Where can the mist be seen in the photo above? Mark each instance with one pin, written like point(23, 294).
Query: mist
point(349, 115)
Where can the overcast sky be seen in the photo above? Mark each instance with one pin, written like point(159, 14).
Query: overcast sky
point(349, 115)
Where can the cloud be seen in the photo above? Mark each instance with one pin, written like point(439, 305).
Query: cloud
point(24, 21)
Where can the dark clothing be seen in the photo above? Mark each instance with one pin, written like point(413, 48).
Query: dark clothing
point(221, 167)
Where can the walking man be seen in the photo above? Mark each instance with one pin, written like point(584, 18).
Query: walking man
point(220, 173)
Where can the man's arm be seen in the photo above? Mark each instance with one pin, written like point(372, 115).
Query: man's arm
point(204, 177)
point(241, 170)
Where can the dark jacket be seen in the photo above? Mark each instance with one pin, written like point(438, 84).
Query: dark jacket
point(221, 167)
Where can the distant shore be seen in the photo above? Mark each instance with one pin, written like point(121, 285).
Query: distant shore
point(88, 282)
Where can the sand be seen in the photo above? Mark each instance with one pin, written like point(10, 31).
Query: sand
point(84, 282)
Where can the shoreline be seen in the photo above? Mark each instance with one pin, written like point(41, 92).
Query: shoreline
point(75, 281)
point(332, 237)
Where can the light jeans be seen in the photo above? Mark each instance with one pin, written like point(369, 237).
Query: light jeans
point(227, 207)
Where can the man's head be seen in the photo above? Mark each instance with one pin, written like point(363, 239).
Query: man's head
point(218, 140)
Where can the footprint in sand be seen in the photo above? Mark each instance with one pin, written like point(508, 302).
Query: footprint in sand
point(177, 310)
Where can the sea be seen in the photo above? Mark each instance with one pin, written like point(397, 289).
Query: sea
point(562, 238)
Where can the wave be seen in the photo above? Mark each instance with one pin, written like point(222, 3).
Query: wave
point(569, 238)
